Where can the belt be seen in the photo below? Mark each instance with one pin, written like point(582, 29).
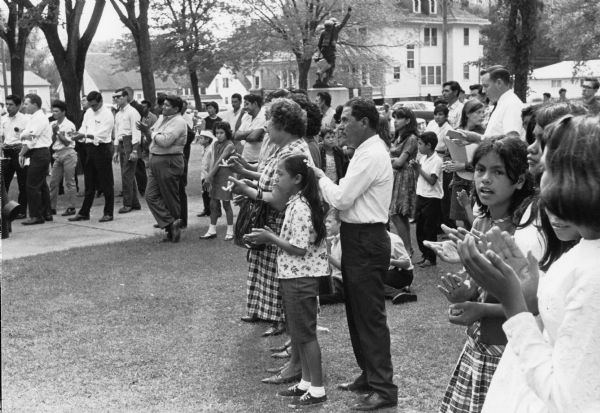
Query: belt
point(165, 154)
point(15, 147)
point(101, 143)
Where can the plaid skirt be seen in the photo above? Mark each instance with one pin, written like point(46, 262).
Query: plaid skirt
point(471, 377)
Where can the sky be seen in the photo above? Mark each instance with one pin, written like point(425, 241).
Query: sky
point(110, 26)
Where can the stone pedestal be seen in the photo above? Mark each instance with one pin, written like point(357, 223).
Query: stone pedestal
point(339, 95)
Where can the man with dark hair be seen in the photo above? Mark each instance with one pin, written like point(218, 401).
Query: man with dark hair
point(95, 132)
point(562, 95)
point(252, 129)
point(450, 92)
point(11, 127)
point(363, 198)
point(547, 97)
point(589, 88)
point(160, 100)
point(127, 142)
point(213, 116)
point(234, 115)
point(324, 102)
point(140, 168)
point(36, 138)
point(477, 92)
point(65, 157)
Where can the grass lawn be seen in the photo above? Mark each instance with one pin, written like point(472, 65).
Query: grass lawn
point(143, 327)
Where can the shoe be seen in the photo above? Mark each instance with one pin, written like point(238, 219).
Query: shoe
point(228, 237)
point(404, 297)
point(249, 319)
point(52, 211)
point(34, 221)
point(284, 354)
point(106, 218)
point(426, 263)
point(79, 218)
point(279, 379)
point(176, 230)
point(373, 401)
point(156, 226)
point(137, 208)
point(48, 218)
point(125, 209)
point(203, 214)
point(20, 216)
point(292, 391)
point(307, 400)
point(274, 370)
point(208, 236)
point(282, 347)
point(68, 212)
point(275, 330)
point(354, 387)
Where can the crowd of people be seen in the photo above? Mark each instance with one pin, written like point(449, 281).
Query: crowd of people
point(326, 199)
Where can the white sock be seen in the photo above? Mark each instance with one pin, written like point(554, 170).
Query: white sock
point(229, 229)
point(317, 391)
point(212, 229)
point(304, 385)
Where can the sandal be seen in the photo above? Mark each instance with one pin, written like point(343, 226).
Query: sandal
point(287, 353)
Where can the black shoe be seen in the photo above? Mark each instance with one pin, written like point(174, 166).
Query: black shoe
point(48, 218)
point(79, 218)
point(404, 297)
point(293, 391)
point(52, 211)
point(137, 208)
point(203, 214)
point(34, 221)
point(373, 401)
point(279, 379)
point(307, 400)
point(275, 330)
point(106, 218)
point(249, 319)
point(69, 212)
point(354, 387)
point(125, 209)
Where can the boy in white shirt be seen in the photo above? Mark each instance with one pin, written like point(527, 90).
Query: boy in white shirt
point(429, 196)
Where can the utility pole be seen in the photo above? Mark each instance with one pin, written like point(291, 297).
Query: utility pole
point(444, 40)
point(4, 81)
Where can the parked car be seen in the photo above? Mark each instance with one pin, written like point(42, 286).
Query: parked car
point(421, 108)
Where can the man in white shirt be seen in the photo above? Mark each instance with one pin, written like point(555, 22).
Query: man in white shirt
point(232, 116)
point(324, 102)
point(36, 139)
point(95, 132)
point(252, 129)
point(11, 127)
point(450, 92)
point(363, 198)
point(127, 143)
point(65, 158)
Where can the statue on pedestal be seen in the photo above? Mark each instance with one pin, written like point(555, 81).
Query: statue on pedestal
point(327, 49)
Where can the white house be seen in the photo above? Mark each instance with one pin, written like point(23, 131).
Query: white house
point(226, 83)
point(568, 74)
point(32, 84)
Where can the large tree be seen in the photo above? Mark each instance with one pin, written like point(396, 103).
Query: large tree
point(14, 31)
point(138, 25)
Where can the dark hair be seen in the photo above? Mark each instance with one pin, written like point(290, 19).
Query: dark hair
point(298, 165)
point(226, 127)
point(123, 92)
point(441, 109)
point(325, 97)
point(454, 86)
point(175, 101)
point(214, 105)
point(595, 83)
point(411, 127)
point(469, 107)
point(325, 130)
point(554, 247)
point(429, 138)
point(276, 94)
point(95, 96)
point(146, 102)
point(35, 99)
point(59, 104)
point(572, 153)
point(337, 117)
point(546, 94)
point(384, 131)
point(16, 99)
point(128, 91)
point(440, 101)
point(562, 89)
point(288, 116)
point(254, 99)
point(160, 98)
point(236, 96)
point(513, 153)
point(313, 114)
point(546, 114)
point(364, 108)
point(497, 72)
point(476, 86)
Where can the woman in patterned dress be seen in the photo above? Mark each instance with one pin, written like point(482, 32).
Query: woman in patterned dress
point(404, 149)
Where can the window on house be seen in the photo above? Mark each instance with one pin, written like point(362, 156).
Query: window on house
point(466, 71)
point(256, 82)
point(431, 75)
point(293, 78)
point(556, 83)
point(432, 6)
point(226, 100)
point(225, 83)
point(430, 36)
point(466, 36)
point(410, 56)
point(139, 96)
point(217, 85)
point(365, 75)
point(416, 6)
point(396, 72)
point(34, 91)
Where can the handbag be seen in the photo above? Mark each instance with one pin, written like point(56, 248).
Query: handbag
point(252, 214)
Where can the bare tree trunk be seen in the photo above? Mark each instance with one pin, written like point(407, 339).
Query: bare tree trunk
point(303, 69)
point(194, 84)
point(146, 70)
point(17, 70)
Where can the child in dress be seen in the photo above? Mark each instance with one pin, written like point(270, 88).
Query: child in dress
point(206, 139)
point(218, 179)
point(502, 188)
point(301, 260)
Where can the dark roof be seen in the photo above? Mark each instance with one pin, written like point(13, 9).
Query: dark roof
point(108, 75)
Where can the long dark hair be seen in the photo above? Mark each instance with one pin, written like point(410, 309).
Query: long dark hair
point(471, 106)
point(411, 128)
point(226, 127)
point(298, 165)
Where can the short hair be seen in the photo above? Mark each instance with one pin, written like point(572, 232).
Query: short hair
point(454, 86)
point(251, 98)
point(95, 96)
point(333, 213)
point(477, 87)
point(325, 130)
point(314, 116)
point(440, 101)
point(127, 91)
point(175, 101)
point(123, 92)
point(572, 153)
point(16, 99)
point(288, 116)
point(160, 98)
point(429, 138)
point(364, 108)
point(59, 104)
point(35, 99)
point(441, 109)
point(546, 94)
point(215, 105)
point(236, 96)
point(547, 114)
point(595, 83)
point(276, 94)
point(146, 102)
point(325, 97)
point(497, 72)
point(561, 90)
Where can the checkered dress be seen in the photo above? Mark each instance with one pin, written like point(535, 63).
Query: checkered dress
point(263, 297)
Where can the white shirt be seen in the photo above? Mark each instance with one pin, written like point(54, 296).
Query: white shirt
point(455, 113)
point(66, 126)
point(432, 126)
point(232, 117)
point(431, 165)
point(506, 117)
point(99, 124)
point(555, 368)
point(251, 150)
point(125, 121)
point(398, 250)
point(364, 194)
point(8, 125)
point(38, 127)
point(328, 118)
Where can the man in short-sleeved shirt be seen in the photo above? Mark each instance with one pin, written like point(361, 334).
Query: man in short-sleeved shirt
point(505, 118)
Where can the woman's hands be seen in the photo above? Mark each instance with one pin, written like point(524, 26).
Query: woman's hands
point(260, 236)
point(453, 166)
point(446, 250)
point(456, 288)
point(464, 200)
point(465, 313)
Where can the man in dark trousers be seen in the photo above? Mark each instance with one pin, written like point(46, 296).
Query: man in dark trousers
point(141, 178)
point(363, 198)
